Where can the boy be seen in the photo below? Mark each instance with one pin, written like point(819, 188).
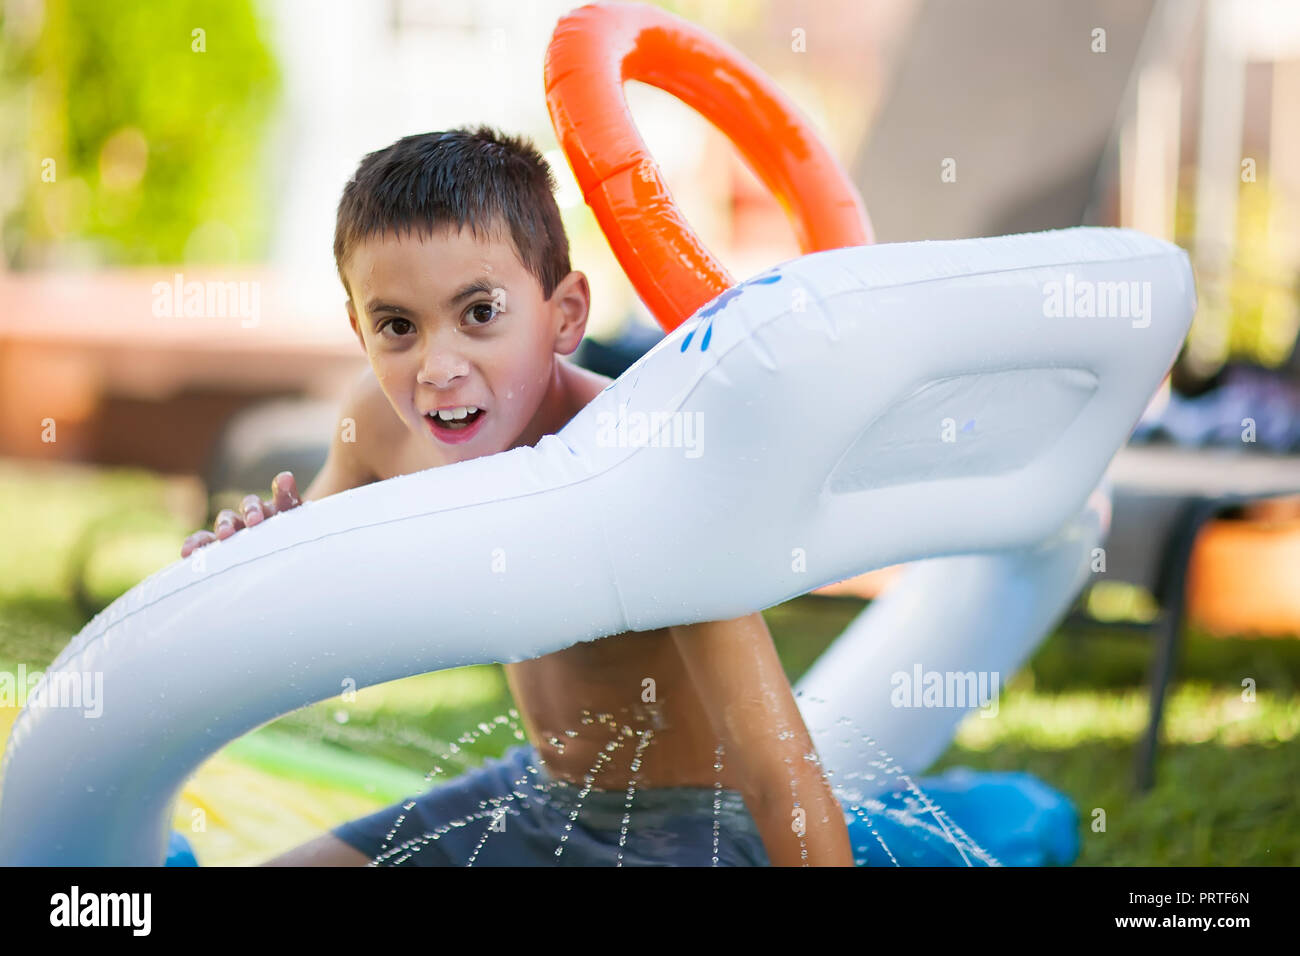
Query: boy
point(456, 265)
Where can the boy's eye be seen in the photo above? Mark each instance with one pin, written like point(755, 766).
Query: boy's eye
point(482, 313)
point(398, 325)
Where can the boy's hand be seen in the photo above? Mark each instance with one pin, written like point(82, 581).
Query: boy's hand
point(284, 495)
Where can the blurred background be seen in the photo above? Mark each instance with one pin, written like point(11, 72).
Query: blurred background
point(171, 141)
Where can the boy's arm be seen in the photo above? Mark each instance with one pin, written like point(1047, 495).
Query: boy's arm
point(737, 674)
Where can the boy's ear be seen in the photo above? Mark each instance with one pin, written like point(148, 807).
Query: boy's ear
point(571, 303)
point(356, 326)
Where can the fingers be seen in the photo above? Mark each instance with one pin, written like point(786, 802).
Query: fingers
point(254, 510)
point(284, 491)
point(195, 541)
point(227, 523)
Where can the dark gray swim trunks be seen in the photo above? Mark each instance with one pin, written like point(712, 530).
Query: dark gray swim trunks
point(511, 812)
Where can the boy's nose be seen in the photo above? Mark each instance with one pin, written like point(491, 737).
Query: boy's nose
point(441, 368)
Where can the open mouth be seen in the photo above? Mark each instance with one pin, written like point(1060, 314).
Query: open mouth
point(456, 419)
point(452, 424)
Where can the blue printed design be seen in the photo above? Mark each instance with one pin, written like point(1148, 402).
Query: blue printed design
point(720, 303)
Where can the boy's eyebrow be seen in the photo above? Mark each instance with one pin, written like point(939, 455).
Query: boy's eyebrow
point(375, 305)
point(482, 284)
point(473, 287)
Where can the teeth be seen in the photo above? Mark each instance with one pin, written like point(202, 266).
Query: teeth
point(452, 414)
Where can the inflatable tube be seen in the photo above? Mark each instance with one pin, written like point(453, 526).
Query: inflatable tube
point(973, 620)
point(1016, 818)
point(996, 608)
point(613, 525)
point(596, 49)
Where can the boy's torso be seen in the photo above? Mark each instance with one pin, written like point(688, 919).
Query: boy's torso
point(576, 702)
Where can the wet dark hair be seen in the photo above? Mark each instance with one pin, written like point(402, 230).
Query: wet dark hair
point(476, 178)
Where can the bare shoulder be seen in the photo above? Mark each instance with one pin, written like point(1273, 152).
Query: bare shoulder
point(379, 433)
point(584, 385)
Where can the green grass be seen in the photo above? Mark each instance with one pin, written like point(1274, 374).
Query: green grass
point(1225, 776)
point(1222, 793)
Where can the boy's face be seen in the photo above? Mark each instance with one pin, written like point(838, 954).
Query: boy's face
point(453, 320)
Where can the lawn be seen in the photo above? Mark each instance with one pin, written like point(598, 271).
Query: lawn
point(76, 537)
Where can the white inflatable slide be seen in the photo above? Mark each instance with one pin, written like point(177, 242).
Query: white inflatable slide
point(859, 408)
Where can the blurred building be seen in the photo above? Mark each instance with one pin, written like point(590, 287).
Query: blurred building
point(1176, 117)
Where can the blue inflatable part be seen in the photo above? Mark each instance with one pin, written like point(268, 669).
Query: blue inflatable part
point(179, 851)
point(984, 818)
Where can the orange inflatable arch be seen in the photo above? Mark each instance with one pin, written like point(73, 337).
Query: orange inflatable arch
point(597, 48)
